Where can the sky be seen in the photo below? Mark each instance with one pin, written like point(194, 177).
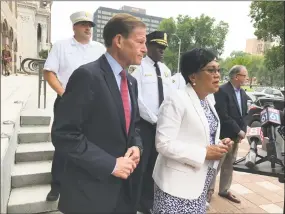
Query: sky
point(235, 13)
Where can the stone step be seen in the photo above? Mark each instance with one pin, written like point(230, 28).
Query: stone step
point(31, 173)
point(31, 199)
point(52, 212)
point(34, 152)
point(35, 120)
point(35, 117)
point(35, 134)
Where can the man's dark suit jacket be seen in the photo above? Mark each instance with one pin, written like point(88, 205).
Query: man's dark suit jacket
point(232, 121)
point(89, 128)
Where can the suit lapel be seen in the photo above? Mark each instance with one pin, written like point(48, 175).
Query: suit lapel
point(133, 101)
point(113, 87)
point(233, 93)
point(199, 109)
point(212, 107)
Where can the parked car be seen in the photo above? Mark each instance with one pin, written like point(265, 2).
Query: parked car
point(270, 92)
point(254, 95)
point(254, 109)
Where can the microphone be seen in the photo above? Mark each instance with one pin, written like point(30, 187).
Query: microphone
point(254, 136)
point(270, 119)
point(282, 115)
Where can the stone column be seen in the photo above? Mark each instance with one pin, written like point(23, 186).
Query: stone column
point(44, 37)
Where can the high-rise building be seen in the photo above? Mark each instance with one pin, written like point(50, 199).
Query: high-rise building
point(257, 47)
point(103, 14)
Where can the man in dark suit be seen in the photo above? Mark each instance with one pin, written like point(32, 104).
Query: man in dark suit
point(96, 125)
point(231, 106)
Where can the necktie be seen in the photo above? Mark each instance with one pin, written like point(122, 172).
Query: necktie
point(125, 98)
point(159, 84)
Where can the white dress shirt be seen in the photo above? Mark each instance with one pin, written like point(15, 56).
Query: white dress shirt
point(146, 77)
point(67, 55)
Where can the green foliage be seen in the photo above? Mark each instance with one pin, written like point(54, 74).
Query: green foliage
point(268, 20)
point(201, 31)
point(43, 54)
point(253, 63)
point(257, 67)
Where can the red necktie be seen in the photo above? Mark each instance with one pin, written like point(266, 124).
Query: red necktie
point(125, 98)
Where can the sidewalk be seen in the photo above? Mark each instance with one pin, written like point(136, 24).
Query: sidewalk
point(258, 194)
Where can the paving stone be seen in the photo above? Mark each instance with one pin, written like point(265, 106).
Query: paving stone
point(268, 185)
point(256, 199)
point(240, 189)
point(272, 208)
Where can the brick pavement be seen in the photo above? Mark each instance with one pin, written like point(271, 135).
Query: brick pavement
point(258, 194)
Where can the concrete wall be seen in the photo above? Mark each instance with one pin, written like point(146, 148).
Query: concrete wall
point(8, 149)
point(17, 90)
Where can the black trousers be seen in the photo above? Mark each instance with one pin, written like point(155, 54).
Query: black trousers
point(143, 184)
point(58, 160)
point(125, 203)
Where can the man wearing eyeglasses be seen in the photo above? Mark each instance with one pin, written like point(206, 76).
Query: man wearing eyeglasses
point(231, 106)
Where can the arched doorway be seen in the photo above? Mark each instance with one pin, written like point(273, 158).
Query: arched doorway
point(15, 54)
point(11, 46)
point(5, 33)
point(39, 38)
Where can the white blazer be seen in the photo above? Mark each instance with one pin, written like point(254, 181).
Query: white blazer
point(181, 139)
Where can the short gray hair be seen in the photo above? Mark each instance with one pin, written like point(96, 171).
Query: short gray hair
point(235, 70)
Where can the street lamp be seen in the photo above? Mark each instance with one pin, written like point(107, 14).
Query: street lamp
point(179, 47)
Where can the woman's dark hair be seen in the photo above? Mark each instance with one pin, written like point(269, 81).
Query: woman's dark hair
point(193, 61)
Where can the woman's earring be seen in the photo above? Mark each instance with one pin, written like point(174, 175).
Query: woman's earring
point(194, 83)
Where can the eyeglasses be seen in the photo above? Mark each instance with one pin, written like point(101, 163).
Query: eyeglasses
point(243, 75)
point(212, 70)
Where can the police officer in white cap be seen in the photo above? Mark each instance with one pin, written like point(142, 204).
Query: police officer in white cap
point(64, 57)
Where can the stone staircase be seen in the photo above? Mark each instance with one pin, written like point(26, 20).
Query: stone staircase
point(30, 177)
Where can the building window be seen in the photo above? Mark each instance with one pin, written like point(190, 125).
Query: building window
point(99, 11)
point(106, 13)
point(259, 48)
point(106, 17)
point(154, 21)
point(146, 20)
point(99, 17)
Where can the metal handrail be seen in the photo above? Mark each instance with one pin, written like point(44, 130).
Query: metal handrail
point(36, 66)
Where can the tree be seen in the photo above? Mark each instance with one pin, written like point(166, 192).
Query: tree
point(43, 54)
point(201, 32)
point(268, 20)
point(253, 63)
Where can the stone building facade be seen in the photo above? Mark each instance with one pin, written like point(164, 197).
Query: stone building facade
point(26, 28)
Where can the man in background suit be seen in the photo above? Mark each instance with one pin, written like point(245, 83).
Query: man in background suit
point(231, 105)
point(96, 124)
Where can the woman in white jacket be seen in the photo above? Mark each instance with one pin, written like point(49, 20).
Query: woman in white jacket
point(187, 138)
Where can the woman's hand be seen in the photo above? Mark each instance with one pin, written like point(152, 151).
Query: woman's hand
point(216, 152)
point(227, 142)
